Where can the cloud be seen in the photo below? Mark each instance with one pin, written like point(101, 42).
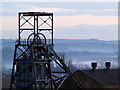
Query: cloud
point(10, 22)
point(60, 1)
point(51, 10)
point(102, 10)
point(70, 21)
point(1, 9)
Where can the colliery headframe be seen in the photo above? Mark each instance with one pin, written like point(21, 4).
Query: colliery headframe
point(34, 52)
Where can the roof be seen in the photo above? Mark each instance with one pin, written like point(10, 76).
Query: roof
point(100, 78)
point(85, 80)
point(105, 76)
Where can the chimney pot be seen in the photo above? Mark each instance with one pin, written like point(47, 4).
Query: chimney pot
point(94, 65)
point(107, 64)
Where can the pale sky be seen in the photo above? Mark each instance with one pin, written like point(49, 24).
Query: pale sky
point(72, 20)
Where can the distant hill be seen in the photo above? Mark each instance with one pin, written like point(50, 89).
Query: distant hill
point(81, 51)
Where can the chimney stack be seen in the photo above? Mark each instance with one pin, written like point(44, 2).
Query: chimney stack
point(94, 65)
point(107, 64)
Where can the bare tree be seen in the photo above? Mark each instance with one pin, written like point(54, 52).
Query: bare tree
point(70, 65)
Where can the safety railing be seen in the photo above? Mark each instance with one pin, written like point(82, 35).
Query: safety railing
point(39, 41)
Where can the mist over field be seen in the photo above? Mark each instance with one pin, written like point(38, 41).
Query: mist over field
point(81, 52)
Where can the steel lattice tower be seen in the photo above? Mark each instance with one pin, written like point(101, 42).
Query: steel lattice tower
point(34, 54)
